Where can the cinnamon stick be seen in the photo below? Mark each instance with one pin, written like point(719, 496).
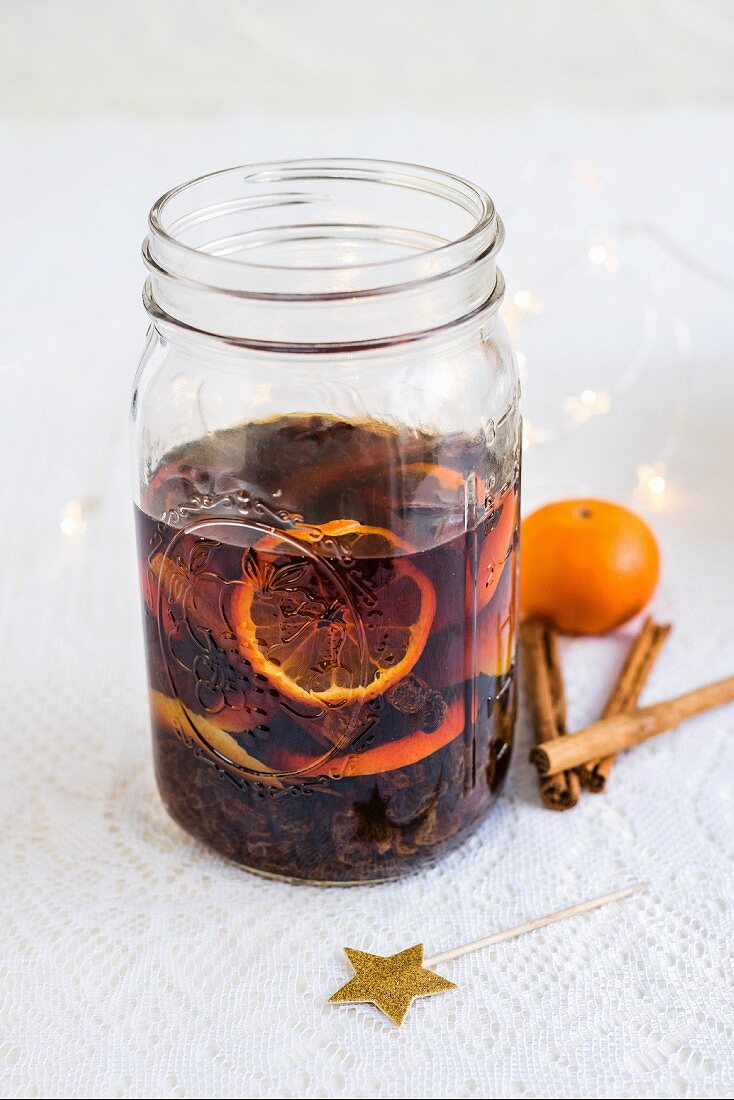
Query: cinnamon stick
point(641, 657)
point(621, 731)
point(544, 679)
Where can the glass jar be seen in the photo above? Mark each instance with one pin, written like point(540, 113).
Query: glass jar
point(326, 437)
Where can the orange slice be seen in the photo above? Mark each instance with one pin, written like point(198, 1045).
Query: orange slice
point(435, 482)
point(453, 655)
point(335, 633)
point(496, 546)
point(407, 750)
point(174, 716)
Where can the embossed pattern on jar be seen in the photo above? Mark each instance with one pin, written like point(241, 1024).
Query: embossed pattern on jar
point(328, 539)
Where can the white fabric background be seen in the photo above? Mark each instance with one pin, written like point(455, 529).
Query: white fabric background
point(134, 962)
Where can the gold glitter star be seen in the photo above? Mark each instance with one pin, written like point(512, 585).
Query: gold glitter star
point(390, 982)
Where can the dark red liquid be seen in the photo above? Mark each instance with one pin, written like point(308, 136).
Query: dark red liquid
point(330, 630)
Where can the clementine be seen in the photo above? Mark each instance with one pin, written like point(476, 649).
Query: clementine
point(587, 566)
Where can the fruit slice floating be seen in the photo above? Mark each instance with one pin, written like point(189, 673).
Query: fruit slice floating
point(333, 636)
point(484, 561)
point(435, 479)
point(428, 487)
point(384, 758)
point(173, 715)
point(497, 535)
point(457, 653)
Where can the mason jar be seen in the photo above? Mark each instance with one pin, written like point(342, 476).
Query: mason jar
point(326, 440)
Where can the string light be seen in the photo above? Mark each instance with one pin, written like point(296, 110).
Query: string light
point(652, 484)
point(588, 403)
point(527, 302)
point(601, 253)
point(523, 299)
point(105, 477)
point(604, 254)
point(73, 525)
point(651, 479)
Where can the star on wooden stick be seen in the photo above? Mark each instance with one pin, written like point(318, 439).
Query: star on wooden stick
point(391, 982)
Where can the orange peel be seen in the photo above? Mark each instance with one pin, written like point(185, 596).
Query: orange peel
point(305, 632)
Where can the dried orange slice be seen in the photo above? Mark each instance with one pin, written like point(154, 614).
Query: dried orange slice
point(338, 625)
point(174, 716)
point(388, 757)
point(496, 546)
point(435, 482)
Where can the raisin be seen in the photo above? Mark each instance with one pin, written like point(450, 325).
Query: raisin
point(409, 695)
point(433, 712)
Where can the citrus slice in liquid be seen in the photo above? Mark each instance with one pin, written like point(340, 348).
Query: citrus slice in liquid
point(435, 482)
point(495, 547)
point(336, 626)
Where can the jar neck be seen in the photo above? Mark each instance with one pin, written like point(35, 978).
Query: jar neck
point(385, 253)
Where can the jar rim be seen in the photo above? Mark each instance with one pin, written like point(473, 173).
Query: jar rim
point(170, 326)
point(178, 210)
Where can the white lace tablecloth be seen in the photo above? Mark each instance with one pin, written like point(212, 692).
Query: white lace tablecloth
point(137, 964)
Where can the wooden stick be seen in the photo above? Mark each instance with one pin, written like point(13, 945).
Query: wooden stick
point(641, 657)
point(624, 730)
point(543, 676)
point(539, 922)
